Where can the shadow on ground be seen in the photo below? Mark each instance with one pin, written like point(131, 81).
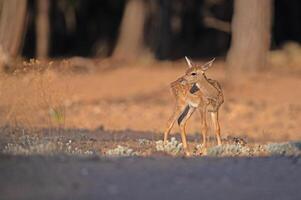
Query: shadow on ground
point(70, 177)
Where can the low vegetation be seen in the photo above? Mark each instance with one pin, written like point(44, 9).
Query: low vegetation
point(30, 145)
point(121, 151)
point(85, 146)
point(172, 147)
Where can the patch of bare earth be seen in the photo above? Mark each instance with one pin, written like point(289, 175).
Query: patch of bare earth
point(85, 118)
point(263, 108)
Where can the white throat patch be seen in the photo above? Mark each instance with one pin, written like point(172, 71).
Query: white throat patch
point(193, 104)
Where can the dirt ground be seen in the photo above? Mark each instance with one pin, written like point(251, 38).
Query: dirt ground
point(265, 107)
point(89, 112)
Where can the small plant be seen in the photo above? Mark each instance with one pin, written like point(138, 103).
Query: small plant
point(172, 147)
point(229, 150)
point(144, 142)
point(121, 151)
point(57, 115)
point(33, 145)
point(285, 149)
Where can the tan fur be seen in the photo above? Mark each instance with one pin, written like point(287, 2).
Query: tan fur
point(209, 97)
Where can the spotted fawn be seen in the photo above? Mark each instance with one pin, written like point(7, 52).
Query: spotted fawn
point(195, 91)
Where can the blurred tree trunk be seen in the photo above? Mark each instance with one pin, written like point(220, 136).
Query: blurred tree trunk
point(251, 32)
point(42, 29)
point(163, 37)
point(12, 29)
point(130, 42)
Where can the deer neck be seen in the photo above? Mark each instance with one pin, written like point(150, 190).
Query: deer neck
point(207, 88)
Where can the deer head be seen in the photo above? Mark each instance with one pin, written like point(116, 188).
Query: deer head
point(195, 72)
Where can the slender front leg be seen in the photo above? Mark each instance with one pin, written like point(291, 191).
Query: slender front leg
point(182, 123)
point(175, 115)
point(203, 112)
point(214, 116)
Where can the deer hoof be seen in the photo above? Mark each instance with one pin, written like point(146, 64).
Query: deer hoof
point(188, 154)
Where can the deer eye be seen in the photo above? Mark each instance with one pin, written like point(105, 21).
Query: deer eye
point(193, 73)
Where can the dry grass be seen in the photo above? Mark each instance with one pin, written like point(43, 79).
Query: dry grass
point(29, 98)
point(24, 142)
point(37, 95)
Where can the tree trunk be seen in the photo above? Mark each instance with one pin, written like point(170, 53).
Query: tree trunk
point(12, 29)
point(163, 37)
point(130, 42)
point(251, 33)
point(42, 29)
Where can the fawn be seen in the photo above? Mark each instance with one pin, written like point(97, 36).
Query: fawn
point(195, 91)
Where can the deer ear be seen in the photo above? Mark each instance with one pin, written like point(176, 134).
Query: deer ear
point(207, 65)
point(188, 62)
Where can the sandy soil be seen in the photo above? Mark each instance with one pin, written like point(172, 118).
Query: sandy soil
point(265, 107)
point(98, 109)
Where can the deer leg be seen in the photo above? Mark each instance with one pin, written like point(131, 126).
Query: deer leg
point(214, 116)
point(203, 113)
point(185, 115)
point(171, 122)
